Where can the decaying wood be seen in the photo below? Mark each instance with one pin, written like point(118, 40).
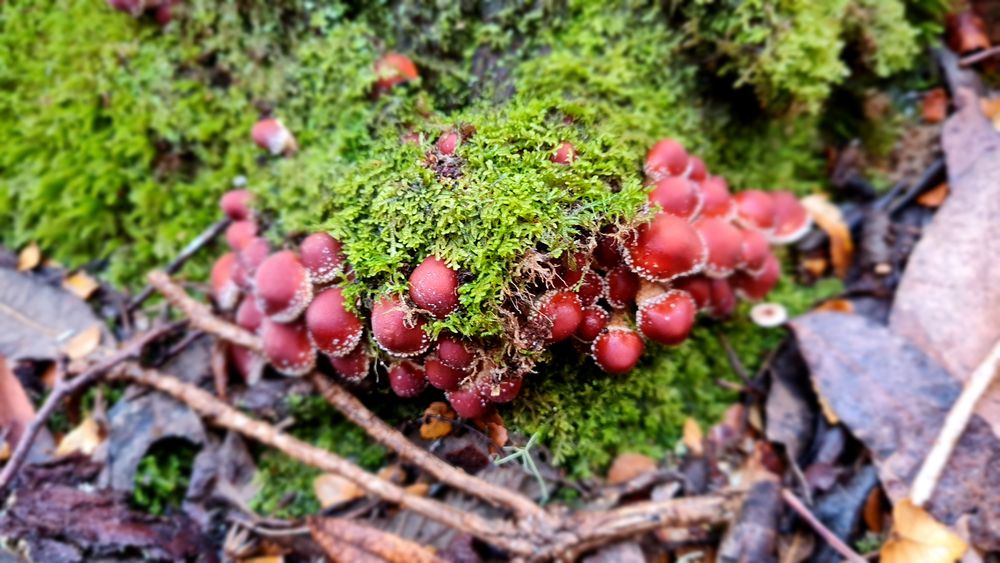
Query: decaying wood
point(347, 541)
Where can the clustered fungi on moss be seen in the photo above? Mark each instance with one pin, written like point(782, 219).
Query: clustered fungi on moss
point(692, 247)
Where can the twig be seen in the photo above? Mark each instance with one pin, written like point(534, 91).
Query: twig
point(954, 424)
point(356, 412)
point(68, 387)
point(836, 543)
point(190, 250)
point(979, 57)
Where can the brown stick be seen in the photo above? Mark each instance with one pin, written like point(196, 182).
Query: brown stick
point(499, 533)
point(836, 543)
point(980, 56)
point(68, 387)
point(388, 436)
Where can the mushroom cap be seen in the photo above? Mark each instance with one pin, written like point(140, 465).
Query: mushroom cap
point(448, 142)
point(500, 386)
point(434, 287)
point(717, 201)
point(592, 288)
point(248, 316)
point(755, 250)
point(271, 135)
point(561, 311)
point(668, 317)
point(394, 68)
point(225, 290)
point(287, 347)
point(240, 233)
point(333, 329)
point(407, 379)
point(664, 249)
point(323, 256)
point(698, 287)
point(595, 320)
point(791, 220)
point(617, 350)
point(623, 285)
point(355, 365)
point(441, 375)
point(607, 253)
point(755, 210)
point(454, 353)
point(666, 158)
point(467, 402)
point(722, 300)
point(768, 315)
point(395, 331)
point(565, 154)
point(756, 287)
point(570, 270)
point(236, 204)
point(677, 196)
point(724, 244)
point(282, 286)
point(696, 169)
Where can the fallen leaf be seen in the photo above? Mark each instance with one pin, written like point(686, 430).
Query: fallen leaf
point(693, 437)
point(334, 490)
point(815, 266)
point(628, 466)
point(935, 108)
point(836, 306)
point(829, 218)
point(16, 410)
point(874, 510)
point(917, 537)
point(393, 473)
point(418, 489)
point(4, 451)
point(83, 439)
point(29, 258)
point(790, 409)
point(81, 285)
point(948, 300)
point(894, 398)
point(492, 424)
point(991, 109)
point(840, 509)
point(437, 421)
point(84, 343)
point(966, 33)
point(934, 197)
point(347, 541)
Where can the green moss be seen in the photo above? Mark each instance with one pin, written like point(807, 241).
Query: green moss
point(163, 475)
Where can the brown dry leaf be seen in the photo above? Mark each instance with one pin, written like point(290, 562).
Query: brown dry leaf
point(948, 300)
point(492, 424)
point(437, 421)
point(334, 490)
point(966, 33)
point(16, 410)
point(935, 105)
point(83, 439)
point(693, 437)
point(4, 451)
point(393, 473)
point(918, 538)
point(418, 489)
point(29, 258)
point(84, 343)
point(815, 266)
point(829, 218)
point(873, 510)
point(836, 306)
point(348, 541)
point(933, 198)
point(81, 285)
point(628, 466)
point(991, 109)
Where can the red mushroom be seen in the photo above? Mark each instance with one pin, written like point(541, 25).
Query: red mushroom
point(240, 233)
point(396, 329)
point(434, 287)
point(565, 154)
point(607, 253)
point(622, 285)
point(696, 170)
point(724, 244)
point(322, 255)
point(571, 269)
point(407, 379)
point(698, 287)
point(225, 290)
point(448, 142)
point(755, 250)
point(287, 347)
point(665, 316)
point(592, 288)
point(467, 402)
point(791, 220)
point(441, 375)
point(717, 200)
point(248, 259)
point(355, 365)
point(666, 158)
point(334, 330)
point(722, 300)
point(393, 69)
point(560, 313)
point(500, 386)
point(272, 135)
point(236, 204)
point(665, 249)
point(282, 286)
point(248, 316)
point(617, 350)
point(454, 353)
point(677, 196)
point(755, 210)
point(595, 320)
point(756, 287)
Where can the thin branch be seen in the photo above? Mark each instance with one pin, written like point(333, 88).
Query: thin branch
point(836, 543)
point(356, 412)
point(68, 387)
point(954, 424)
point(206, 236)
point(979, 57)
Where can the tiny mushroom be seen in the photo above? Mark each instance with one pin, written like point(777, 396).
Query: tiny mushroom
point(667, 248)
point(271, 134)
point(323, 256)
point(282, 286)
point(236, 204)
point(791, 220)
point(617, 350)
point(407, 379)
point(666, 158)
point(287, 347)
point(677, 196)
point(393, 69)
point(396, 329)
point(560, 313)
point(565, 154)
point(434, 287)
point(665, 316)
point(334, 330)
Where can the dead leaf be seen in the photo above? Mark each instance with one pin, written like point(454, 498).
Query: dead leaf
point(836, 306)
point(628, 466)
point(4, 450)
point(693, 437)
point(966, 33)
point(935, 105)
point(873, 512)
point(916, 538)
point(934, 197)
point(991, 109)
point(84, 343)
point(894, 398)
point(815, 266)
point(16, 410)
point(83, 439)
point(36, 318)
point(790, 409)
point(393, 473)
point(948, 300)
point(829, 218)
point(334, 490)
point(347, 541)
point(81, 285)
point(29, 258)
point(418, 489)
point(492, 424)
point(437, 421)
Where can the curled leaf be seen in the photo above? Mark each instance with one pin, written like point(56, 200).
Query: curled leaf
point(85, 342)
point(334, 490)
point(917, 537)
point(83, 439)
point(829, 218)
point(29, 258)
point(81, 285)
point(628, 466)
point(437, 421)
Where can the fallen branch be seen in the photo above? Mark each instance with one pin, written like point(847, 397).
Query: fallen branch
point(68, 387)
point(836, 543)
point(954, 424)
point(979, 57)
